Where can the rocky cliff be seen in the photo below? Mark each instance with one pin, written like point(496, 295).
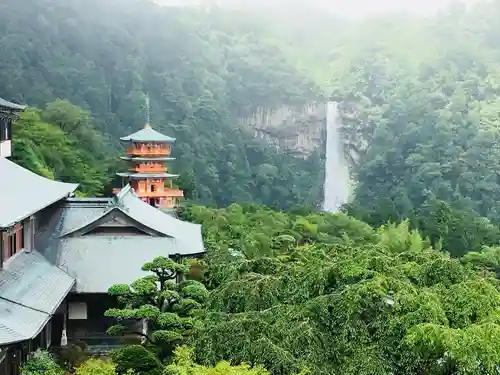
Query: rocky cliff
point(296, 130)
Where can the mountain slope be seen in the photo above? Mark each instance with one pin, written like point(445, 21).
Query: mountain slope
point(199, 70)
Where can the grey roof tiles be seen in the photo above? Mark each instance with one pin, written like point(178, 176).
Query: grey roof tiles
point(148, 135)
point(11, 106)
point(147, 175)
point(26, 192)
point(31, 290)
point(142, 158)
point(98, 261)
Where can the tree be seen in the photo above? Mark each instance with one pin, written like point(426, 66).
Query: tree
point(167, 307)
point(353, 300)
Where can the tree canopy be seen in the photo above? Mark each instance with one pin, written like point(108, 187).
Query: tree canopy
point(351, 300)
point(200, 72)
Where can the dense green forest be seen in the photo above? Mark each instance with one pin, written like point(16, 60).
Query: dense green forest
point(404, 281)
point(200, 71)
point(332, 295)
point(304, 293)
point(419, 98)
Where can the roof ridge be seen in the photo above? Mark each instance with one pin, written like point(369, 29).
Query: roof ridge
point(118, 198)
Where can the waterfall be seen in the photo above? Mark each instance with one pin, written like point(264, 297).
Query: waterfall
point(336, 188)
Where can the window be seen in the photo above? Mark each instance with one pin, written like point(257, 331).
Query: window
point(153, 188)
point(11, 250)
point(2, 249)
point(77, 311)
point(14, 241)
point(31, 233)
point(5, 128)
point(21, 237)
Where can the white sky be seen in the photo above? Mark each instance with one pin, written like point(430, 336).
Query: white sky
point(346, 8)
point(361, 8)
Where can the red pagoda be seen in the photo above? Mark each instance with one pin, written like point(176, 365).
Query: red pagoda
point(148, 150)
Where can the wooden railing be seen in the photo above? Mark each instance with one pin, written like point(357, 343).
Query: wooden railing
point(144, 151)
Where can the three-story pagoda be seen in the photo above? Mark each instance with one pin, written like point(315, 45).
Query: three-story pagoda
point(147, 151)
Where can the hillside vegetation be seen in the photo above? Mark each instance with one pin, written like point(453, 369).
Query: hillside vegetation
point(332, 295)
point(404, 281)
point(200, 70)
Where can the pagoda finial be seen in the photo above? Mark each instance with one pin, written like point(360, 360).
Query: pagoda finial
point(148, 112)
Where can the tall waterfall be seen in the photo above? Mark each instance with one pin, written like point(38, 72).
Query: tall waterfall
point(336, 187)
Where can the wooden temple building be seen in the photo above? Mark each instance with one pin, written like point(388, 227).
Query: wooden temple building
point(147, 151)
point(60, 254)
point(8, 110)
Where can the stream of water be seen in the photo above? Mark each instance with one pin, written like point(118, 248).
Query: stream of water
point(336, 189)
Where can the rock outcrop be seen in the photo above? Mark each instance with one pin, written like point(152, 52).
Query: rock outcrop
point(296, 130)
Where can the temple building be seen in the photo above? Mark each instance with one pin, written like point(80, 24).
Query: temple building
point(8, 110)
point(147, 151)
point(60, 254)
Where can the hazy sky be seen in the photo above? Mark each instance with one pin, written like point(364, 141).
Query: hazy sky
point(349, 8)
point(354, 8)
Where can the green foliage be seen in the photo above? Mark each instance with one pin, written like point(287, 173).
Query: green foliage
point(167, 307)
point(73, 355)
point(60, 143)
point(202, 74)
point(96, 367)
point(184, 365)
point(135, 359)
point(41, 363)
point(342, 297)
point(419, 102)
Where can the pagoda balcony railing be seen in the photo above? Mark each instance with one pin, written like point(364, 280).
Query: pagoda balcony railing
point(167, 192)
point(144, 151)
point(148, 169)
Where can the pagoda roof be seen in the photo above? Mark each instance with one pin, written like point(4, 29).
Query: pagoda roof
point(71, 241)
point(23, 193)
point(31, 290)
point(142, 158)
point(134, 175)
point(4, 104)
point(148, 134)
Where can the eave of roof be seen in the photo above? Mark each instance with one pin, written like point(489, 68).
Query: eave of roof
point(5, 104)
point(148, 135)
point(128, 203)
point(141, 158)
point(98, 262)
point(24, 193)
point(87, 257)
point(31, 290)
point(147, 175)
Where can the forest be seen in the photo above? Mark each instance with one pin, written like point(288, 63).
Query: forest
point(403, 281)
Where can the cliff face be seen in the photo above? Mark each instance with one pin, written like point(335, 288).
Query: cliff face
point(297, 130)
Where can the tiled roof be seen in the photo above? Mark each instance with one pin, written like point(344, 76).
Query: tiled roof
point(11, 106)
point(142, 158)
point(148, 135)
point(23, 193)
point(98, 261)
point(147, 175)
point(31, 290)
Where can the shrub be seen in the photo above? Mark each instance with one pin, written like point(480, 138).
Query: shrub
point(96, 367)
point(73, 355)
point(184, 365)
point(135, 358)
point(41, 363)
